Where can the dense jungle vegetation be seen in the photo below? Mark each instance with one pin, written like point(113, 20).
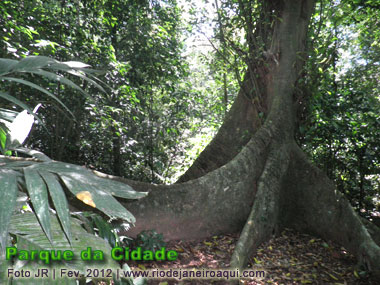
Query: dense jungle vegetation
point(138, 89)
point(166, 97)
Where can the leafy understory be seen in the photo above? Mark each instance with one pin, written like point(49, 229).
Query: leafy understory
point(42, 180)
point(45, 67)
point(52, 178)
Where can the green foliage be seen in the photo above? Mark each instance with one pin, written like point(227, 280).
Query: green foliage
point(40, 179)
point(39, 65)
point(134, 129)
point(340, 101)
point(140, 128)
point(46, 179)
point(149, 240)
point(32, 237)
point(26, 234)
point(98, 225)
point(35, 65)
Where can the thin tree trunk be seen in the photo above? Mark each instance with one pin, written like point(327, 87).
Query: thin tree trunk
point(117, 163)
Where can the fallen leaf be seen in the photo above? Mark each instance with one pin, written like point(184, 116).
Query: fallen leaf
point(325, 245)
point(256, 261)
point(179, 249)
point(333, 277)
point(356, 274)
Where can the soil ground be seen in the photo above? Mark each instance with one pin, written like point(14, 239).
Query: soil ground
point(290, 258)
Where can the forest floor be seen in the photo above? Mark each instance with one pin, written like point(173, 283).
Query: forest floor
point(290, 258)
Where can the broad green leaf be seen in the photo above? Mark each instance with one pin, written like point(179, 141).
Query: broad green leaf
point(38, 195)
point(7, 115)
point(8, 196)
point(115, 188)
point(105, 230)
point(69, 65)
point(4, 265)
point(35, 86)
point(59, 200)
point(19, 103)
point(95, 197)
point(94, 78)
point(118, 189)
point(8, 163)
point(32, 63)
point(6, 65)
point(84, 221)
point(61, 79)
point(33, 267)
point(76, 73)
point(3, 140)
point(28, 231)
point(33, 153)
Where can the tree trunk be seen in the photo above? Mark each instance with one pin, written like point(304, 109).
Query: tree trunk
point(237, 129)
point(269, 183)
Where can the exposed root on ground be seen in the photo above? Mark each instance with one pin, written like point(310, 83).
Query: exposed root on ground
point(262, 221)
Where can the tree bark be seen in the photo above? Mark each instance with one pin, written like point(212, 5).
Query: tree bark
point(311, 203)
point(240, 124)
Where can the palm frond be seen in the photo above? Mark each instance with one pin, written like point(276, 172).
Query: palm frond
point(45, 67)
point(43, 179)
point(29, 236)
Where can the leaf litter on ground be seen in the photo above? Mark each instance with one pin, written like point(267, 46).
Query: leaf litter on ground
point(290, 258)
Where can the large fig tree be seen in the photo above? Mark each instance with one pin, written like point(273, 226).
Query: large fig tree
point(260, 182)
